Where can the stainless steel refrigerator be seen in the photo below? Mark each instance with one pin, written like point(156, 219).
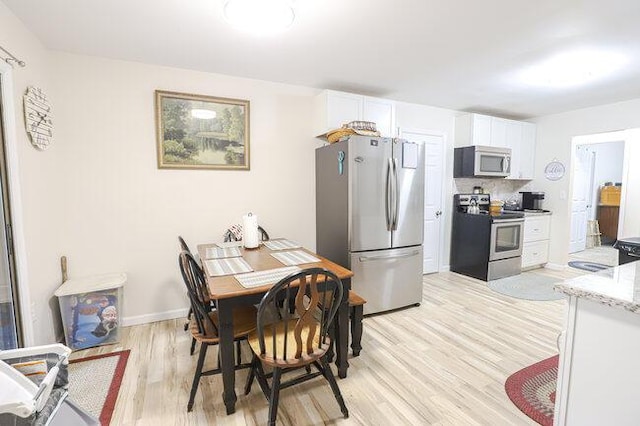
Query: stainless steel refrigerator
point(370, 216)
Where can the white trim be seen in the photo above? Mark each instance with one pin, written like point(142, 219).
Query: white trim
point(445, 268)
point(15, 201)
point(155, 317)
point(618, 135)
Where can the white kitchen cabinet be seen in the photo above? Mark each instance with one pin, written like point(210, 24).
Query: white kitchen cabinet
point(332, 109)
point(499, 133)
point(381, 112)
point(535, 246)
point(520, 136)
point(597, 371)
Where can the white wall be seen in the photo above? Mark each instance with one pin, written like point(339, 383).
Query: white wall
point(40, 189)
point(553, 141)
point(97, 196)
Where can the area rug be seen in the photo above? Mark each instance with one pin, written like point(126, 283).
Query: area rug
point(95, 382)
point(533, 390)
point(589, 266)
point(528, 286)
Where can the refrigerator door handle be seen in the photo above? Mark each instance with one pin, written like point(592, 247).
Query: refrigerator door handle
point(388, 194)
point(396, 198)
point(399, 256)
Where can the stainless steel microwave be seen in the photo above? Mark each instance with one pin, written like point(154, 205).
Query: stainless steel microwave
point(481, 161)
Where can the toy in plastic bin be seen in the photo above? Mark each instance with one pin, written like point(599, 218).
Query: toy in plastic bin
point(90, 309)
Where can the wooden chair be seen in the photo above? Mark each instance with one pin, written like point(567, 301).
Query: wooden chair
point(204, 324)
point(230, 235)
point(297, 340)
point(185, 247)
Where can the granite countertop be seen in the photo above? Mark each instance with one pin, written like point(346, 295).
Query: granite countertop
point(617, 286)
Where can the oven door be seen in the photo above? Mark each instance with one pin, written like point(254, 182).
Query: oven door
point(492, 164)
point(506, 239)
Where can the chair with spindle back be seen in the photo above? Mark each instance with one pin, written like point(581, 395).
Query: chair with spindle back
point(235, 234)
point(185, 247)
point(298, 338)
point(204, 324)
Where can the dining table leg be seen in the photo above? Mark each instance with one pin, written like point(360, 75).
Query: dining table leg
point(227, 360)
point(342, 332)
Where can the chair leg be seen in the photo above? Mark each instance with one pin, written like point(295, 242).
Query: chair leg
point(330, 351)
point(197, 375)
point(356, 329)
point(328, 374)
point(275, 394)
point(186, 324)
point(238, 353)
point(251, 376)
point(193, 346)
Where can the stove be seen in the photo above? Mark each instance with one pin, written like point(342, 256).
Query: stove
point(483, 245)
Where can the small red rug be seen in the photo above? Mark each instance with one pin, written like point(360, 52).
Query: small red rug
point(533, 390)
point(95, 382)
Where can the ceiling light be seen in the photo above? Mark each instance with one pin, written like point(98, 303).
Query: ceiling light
point(205, 114)
point(259, 16)
point(573, 68)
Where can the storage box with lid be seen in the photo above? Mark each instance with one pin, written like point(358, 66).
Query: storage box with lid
point(91, 309)
point(610, 195)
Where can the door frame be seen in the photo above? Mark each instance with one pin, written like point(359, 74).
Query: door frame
point(15, 202)
point(443, 194)
point(592, 139)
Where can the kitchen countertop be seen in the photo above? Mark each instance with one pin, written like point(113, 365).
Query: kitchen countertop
point(526, 213)
point(617, 286)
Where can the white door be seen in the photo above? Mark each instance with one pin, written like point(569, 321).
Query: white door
point(434, 168)
point(582, 175)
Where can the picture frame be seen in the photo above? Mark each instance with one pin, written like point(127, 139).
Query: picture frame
point(201, 132)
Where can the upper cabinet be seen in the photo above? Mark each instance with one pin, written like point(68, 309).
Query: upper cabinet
point(333, 109)
point(520, 136)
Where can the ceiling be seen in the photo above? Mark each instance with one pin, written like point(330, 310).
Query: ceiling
point(458, 54)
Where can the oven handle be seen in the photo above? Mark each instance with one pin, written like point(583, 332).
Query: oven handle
point(500, 221)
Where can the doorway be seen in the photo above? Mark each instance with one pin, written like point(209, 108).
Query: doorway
point(10, 329)
point(433, 176)
point(598, 165)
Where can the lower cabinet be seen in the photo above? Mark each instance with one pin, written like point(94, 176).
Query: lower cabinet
point(535, 253)
point(535, 246)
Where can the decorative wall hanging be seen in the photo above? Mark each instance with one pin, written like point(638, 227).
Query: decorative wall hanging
point(37, 118)
point(554, 170)
point(201, 132)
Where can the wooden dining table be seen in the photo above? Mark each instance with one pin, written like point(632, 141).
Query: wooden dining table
point(228, 293)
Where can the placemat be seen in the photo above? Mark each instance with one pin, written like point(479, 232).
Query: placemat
point(269, 276)
point(295, 257)
point(230, 244)
point(232, 265)
point(220, 253)
point(282, 244)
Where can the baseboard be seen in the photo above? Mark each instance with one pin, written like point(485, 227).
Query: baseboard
point(556, 266)
point(155, 317)
point(445, 268)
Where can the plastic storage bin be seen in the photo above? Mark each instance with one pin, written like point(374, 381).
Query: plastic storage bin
point(90, 309)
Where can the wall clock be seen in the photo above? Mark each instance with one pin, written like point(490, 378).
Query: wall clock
point(37, 118)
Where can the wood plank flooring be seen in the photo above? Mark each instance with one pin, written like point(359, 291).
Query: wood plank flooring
point(442, 363)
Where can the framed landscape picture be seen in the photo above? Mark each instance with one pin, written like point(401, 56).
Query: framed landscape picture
point(201, 132)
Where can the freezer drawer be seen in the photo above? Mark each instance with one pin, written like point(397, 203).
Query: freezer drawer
point(388, 279)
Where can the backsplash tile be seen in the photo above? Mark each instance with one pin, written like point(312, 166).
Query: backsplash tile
point(500, 189)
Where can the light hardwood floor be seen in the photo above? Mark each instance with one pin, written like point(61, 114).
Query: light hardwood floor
point(442, 363)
